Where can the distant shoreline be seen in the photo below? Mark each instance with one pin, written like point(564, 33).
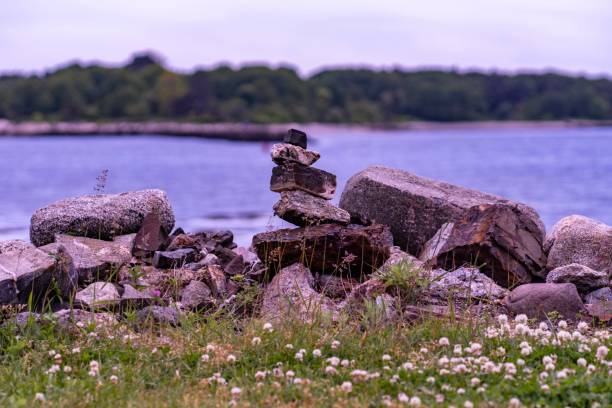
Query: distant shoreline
point(259, 132)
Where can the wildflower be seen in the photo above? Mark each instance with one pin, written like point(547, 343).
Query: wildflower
point(268, 327)
point(334, 361)
point(76, 350)
point(114, 379)
point(520, 362)
point(235, 391)
point(335, 344)
point(260, 375)
point(543, 375)
point(562, 324)
point(431, 380)
point(502, 319)
point(299, 356)
point(39, 397)
point(443, 341)
point(205, 358)
point(561, 375)
point(231, 358)
point(401, 397)
point(457, 349)
point(475, 381)
point(424, 350)
point(210, 348)
point(414, 401)
point(443, 361)
point(514, 403)
point(468, 404)
point(289, 346)
point(602, 352)
point(53, 369)
point(331, 370)
point(439, 398)
point(386, 357)
point(316, 353)
point(521, 318)
point(290, 374)
point(67, 369)
point(545, 388)
point(256, 341)
point(345, 363)
point(408, 366)
point(346, 386)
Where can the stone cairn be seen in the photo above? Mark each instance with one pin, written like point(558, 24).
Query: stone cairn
point(305, 191)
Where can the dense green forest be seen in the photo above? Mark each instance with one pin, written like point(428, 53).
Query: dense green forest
point(145, 90)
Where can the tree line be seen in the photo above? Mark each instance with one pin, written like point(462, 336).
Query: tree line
point(145, 90)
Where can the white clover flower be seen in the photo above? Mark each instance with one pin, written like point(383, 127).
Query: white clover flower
point(439, 398)
point(601, 353)
point(268, 327)
point(210, 348)
point(346, 386)
point(543, 375)
point(561, 374)
point(501, 351)
point(114, 379)
point(386, 357)
point(510, 368)
point(457, 349)
point(290, 374)
point(526, 351)
point(474, 381)
point(359, 374)
point(520, 362)
point(39, 397)
point(299, 356)
point(521, 318)
point(480, 390)
point(414, 401)
point(298, 381)
point(345, 363)
point(502, 319)
point(562, 324)
point(443, 341)
point(256, 341)
point(401, 397)
point(431, 380)
point(205, 358)
point(260, 375)
point(514, 403)
point(591, 368)
point(235, 391)
point(564, 335)
point(53, 369)
point(468, 404)
point(443, 361)
point(278, 372)
point(444, 371)
point(330, 370)
point(545, 388)
point(581, 362)
point(231, 358)
point(543, 326)
point(316, 353)
point(334, 361)
point(67, 369)
point(335, 344)
point(289, 346)
point(408, 366)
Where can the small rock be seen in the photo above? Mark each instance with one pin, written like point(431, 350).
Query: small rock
point(463, 285)
point(585, 278)
point(182, 241)
point(98, 295)
point(370, 293)
point(248, 256)
point(133, 297)
point(536, 300)
point(334, 287)
point(599, 295)
point(150, 237)
point(284, 152)
point(297, 138)
point(327, 249)
point(173, 259)
point(291, 293)
point(101, 216)
point(295, 176)
point(126, 241)
point(210, 259)
point(581, 240)
point(158, 315)
point(303, 209)
point(65, 274)
point(235, 267)
point(215, 279)
point(23, 269)
point(196, 295)
point(94, 259)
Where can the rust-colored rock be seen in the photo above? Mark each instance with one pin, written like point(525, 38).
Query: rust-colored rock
point(497, 238)
point(150, 237)
point(295, 176)
point(330, 249)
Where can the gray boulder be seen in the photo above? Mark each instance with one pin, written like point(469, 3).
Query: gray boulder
point(415, 207)
point(23, 269)
point(581, 240)
point(134, 298)
point(585, 278)
point(93, 259)
point(536, 300)
point(98, 295)
point(101, 216)
point(291, 293)
point(303, 209)
point(196, 295)
point(158, 315)
point(599, 295)
point(463, 285)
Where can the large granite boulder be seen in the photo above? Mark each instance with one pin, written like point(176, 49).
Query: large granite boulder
point(102, 216)
point(329, 249)
point(462, 286)
point(94, 259)
point(498, 238)
point(585, 278)
point(291, 293)
point(23, 269)
point(581, 240)
point(536, 300)
point(416, 207)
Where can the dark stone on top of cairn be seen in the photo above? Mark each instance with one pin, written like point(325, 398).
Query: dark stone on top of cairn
point(297, 138)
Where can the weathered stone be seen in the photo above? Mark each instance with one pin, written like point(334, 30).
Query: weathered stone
point(291, 294)
point(101, 216)
point(295, 176)
point(414, 207)
point(284, 152)
point(65, 274)
point(94, 259)
point(158, 315)
point(397, 256)
point(98, 295)
point(24, 269)
point(599, 295)
point(126, 241)
point(196, 295)
point(462, 286)
point(210, 259)
point(225, 255)
point(585, 278)
point(150, 237)
point(297, 138)
point(600, 310)
point(134, 298)
point(235, 267)
point(581, 240)
point(303, 209)
point(372, 293)
point(248, 256)
point(182, 241)
point(334, 287)
point(215, 279)
point(173, 259)
point(495, 237)
point(536, 300)
point(328, 249)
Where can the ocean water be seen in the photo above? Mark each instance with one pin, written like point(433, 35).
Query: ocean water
point(221, 184)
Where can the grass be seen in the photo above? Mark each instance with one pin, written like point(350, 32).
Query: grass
point(166, 368)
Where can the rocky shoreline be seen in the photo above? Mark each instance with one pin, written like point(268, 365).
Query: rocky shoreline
point(411, 245)
point(258, 132)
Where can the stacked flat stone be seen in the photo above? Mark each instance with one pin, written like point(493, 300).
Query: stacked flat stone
point(305, 191)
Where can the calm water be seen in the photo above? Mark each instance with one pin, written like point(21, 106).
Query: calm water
point(218, 184)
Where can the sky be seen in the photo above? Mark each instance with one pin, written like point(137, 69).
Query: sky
point(571, 36)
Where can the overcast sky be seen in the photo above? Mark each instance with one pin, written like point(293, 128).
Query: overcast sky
point(567, 35)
